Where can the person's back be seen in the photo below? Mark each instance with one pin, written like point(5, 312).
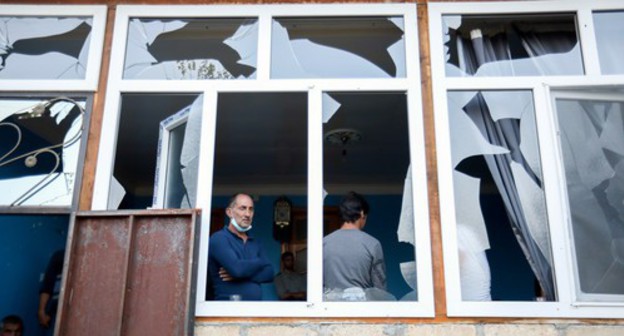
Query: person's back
point(351, 258)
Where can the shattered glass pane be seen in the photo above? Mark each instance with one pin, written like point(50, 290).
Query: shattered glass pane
point(199, 49)
point(360, 131)
point(141, 166)
point(511, 45)
point(44, 48)
point(364, 47)
point(592, 143)
point(610, 40)
point(496, 161)
point(39, 150)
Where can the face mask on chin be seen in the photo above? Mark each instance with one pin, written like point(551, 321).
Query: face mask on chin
point(238, 227)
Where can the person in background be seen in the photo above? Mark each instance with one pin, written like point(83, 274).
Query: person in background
point(50, 291)
point(290, 285)
point(12, 325)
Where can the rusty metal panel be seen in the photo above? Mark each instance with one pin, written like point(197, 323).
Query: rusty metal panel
point(96, 273)
point(129, 273)
point(158, 265)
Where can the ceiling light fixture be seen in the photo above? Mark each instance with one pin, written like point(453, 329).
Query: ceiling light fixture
point(343, 137)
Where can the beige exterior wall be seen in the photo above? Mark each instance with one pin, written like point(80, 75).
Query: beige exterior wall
point(322, 328)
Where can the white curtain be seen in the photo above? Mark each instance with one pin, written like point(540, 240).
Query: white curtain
point(508, 170)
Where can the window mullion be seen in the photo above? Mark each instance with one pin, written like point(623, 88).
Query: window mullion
point(204, 178)
point(264, 47)
point(588, 42)
point(315, 196)
point(554, 180)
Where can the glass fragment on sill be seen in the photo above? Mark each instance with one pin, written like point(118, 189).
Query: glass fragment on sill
point(39, 150)
point(193, 49)
point(520, 45)
point(338, 48)
point(44, 48)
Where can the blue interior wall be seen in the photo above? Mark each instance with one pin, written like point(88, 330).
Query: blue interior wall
point(382, 223)
point(512, 277)
point(26, 244)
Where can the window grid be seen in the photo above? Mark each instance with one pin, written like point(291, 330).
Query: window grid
point(262, 83)
point(544, 90)
point(52, 93)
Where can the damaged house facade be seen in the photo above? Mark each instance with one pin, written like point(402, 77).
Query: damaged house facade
point(488, 138)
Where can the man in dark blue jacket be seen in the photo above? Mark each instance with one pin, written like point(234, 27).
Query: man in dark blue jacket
point(237, 264)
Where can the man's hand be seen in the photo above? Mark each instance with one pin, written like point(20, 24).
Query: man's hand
point(44, 319)
point(294, 296)
point(224, 275)
point(42, 316)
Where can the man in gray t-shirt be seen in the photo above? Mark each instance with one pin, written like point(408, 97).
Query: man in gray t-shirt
point(351, 257)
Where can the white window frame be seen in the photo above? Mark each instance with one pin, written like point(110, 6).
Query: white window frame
point(544, 88)
point(96, 45)
point(33, 88)
point(162, 169)
point(210, 89)
point(581, 93)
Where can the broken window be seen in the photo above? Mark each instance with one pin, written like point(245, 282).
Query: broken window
point(264, 136)
point(261, 148)
point(506, 45)
point(366, 150)
point(40, 142)
point(592, 144)
point(216, 48)
point(531, 161)
point(49, 66)
point(610, 41)
point(363, 47)
point(143, 123)
point(44, 48)
point(500, 200)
